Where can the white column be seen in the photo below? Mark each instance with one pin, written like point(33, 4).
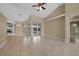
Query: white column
point(67, 31)
point(42, 29)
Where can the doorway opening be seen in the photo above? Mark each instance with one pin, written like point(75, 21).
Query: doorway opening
point(74, 30)
point(35, 32)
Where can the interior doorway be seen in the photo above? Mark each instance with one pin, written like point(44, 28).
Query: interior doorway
point(36, 30)
point(74, 30)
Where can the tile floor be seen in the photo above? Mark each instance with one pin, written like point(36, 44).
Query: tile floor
point(44, 46)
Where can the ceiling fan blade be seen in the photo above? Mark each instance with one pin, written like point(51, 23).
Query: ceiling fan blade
point(43, 8)
point(39, 4)
point(44, 3)
point(34, 5)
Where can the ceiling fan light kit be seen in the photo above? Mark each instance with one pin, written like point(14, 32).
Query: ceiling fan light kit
point(39, 6)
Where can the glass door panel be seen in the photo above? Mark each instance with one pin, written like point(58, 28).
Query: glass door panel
point(35, 30)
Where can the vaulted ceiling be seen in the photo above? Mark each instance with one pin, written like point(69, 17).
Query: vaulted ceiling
point(22, 11)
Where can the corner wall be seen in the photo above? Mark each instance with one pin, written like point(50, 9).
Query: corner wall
point(3, 28)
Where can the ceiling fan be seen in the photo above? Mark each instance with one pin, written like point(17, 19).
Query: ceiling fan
point(40, 6)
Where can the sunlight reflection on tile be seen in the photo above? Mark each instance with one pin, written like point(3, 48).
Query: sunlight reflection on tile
point(25, 40)
point(36, 39)
point(77, 42)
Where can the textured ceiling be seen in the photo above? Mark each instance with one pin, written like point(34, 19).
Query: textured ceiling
point(22, 11)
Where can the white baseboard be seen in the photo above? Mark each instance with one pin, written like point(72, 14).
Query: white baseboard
point(19, 34)
point(11, 34)
point(54, 37)
point(3, 43)
point(67, 41)
point(14, 34)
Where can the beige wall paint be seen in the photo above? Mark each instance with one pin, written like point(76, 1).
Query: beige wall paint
point(58, 11)
point(34, 19)
point(55, 27)
point(72, 9)
point(3, 25)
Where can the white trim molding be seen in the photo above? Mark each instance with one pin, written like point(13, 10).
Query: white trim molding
point(74, 20)
point(53, 18)
point(54, 37)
